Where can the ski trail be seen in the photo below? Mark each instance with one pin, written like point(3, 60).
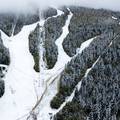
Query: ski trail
point(42, 108)
point(63, 58)
point(59, 13)
point(20, 89)
point(114, 18)
point(43, 70)
point(61, 53)
point(78, 86)
point(19, 81)
point(83, 46)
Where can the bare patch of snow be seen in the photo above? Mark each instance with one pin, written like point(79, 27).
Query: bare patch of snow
point(114, 18)
point(89, 69)
point(84, 45)
point(51, 77)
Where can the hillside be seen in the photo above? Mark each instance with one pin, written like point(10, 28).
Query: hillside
point(60, 64)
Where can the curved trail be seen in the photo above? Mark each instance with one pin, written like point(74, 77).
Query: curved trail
point(21, 79)
point(42, 107)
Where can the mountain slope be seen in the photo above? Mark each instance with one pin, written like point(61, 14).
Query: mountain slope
point(63, 64)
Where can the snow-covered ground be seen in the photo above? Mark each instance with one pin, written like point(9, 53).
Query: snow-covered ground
point(50, 89)
point(44, 74)
point(19, 81)
point(22, 91)
point(84, 45)
point(114, 18)
point(78, 86)
point(63, 58)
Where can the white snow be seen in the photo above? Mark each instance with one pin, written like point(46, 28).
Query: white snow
point(19, 81)
point(45, 74)
point(4, 69)
point(78, 86)
point(50, 86)
point(69, 98)
point(89, 69)
point(59, 13)
point(84, 45)
point(22, 90)
point(4, 66)
point(114, 18)
point(63, 58)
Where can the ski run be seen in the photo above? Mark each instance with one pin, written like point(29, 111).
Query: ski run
point(27, 92)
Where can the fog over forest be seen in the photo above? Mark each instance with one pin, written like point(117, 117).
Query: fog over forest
point(29, 5)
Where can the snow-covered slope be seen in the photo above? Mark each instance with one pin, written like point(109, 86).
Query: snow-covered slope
point(21, 92)
point(28, 94)
point(19, 81)
point(51, 77)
